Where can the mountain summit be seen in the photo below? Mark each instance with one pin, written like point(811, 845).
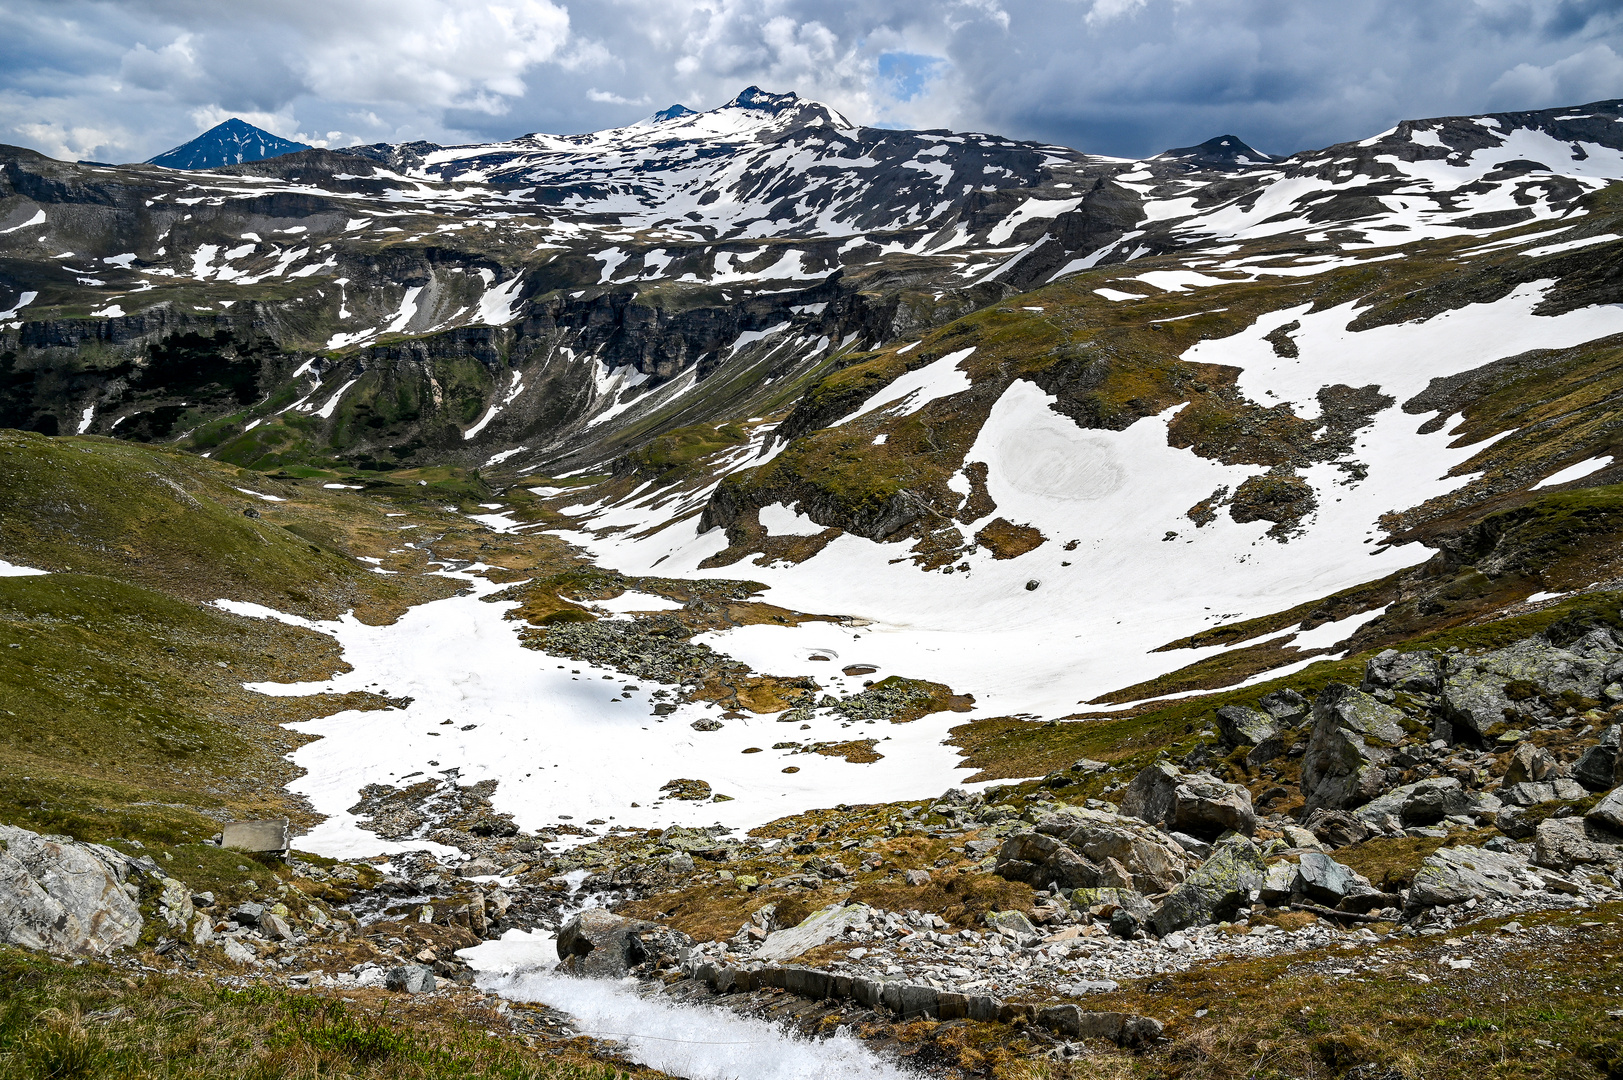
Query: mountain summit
point(231, 143)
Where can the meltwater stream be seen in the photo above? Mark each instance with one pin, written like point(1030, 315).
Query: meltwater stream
point(683, 1040)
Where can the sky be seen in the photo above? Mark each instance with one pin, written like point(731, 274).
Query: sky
point(123, 80)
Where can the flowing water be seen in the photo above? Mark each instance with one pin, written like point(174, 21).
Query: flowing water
point(684, 1040)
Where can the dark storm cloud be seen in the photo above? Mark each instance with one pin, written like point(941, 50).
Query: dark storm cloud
point(123, 80)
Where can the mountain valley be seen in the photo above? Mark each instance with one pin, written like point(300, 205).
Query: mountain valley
point(1042, 614)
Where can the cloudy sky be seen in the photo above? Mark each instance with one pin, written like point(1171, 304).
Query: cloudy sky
point(122, 80)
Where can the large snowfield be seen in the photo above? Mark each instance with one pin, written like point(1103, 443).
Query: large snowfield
point(1123, 571)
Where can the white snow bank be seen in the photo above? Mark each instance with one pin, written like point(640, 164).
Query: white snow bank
point(1574, 472)
point(779, 520)
point(916, 389)
point(13, 570)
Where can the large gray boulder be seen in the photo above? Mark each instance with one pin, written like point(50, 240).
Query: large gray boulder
point(1286, 707)
point(1418, 672)
point(819, 928)
point(1199, 804)
point(1352, 741)
point(1532, 793)
point(1423, 803)
point(1596, 770)
point(1608, 813)
point(599, 944)
point(1093, 849)
point(62, 897)
point(1241, 726)
point(1455, 875)
point(1217, 889)
point(1324, 881)
point(1563, 843)
point(1474, 689)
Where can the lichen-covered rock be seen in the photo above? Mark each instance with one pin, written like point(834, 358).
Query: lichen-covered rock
point(1199, 804)
point(819, 928)
point(1240, 726)
point(1216, 889)
point(1455, 875)
point(1353, 734)
point(1474, 689)
point(62, 897)
point(1563, 843)
point(1418, 672)
point(1093, 849)
point(1532, 793)
point(1287, 707)
point(1608, 813)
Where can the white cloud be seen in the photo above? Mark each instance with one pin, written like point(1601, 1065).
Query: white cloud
point(1590, 75)
point(1104, 11)
point(607, 98)
point(102, 79)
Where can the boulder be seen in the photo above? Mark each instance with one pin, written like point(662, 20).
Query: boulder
point(1529, 763)
point(1322, 880)
point(1011, 924)
point(1424, 803)
point(1200, 805)
point(1531, 793)
point(62, 897)
point(1092, 849)
point(1563, 843)
point(1347, 754)
point(1217, 889)
point(1287, 707)
point(600, 944)
point(1608, 813)
point(1124, 1029)
point(1337, 828)
point(1596, 769)
point(1418, 672)
point(410, 979)
point(1474, 689)
point(1455, 875)
point(1240, 726)
point(818, 928)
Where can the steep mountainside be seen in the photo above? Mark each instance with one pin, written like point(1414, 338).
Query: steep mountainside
point(230, 143)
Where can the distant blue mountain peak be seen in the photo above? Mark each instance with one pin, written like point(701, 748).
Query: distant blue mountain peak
point(231, 143)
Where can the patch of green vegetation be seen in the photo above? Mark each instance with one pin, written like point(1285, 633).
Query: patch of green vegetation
point(668, 458)
point(92, 1022)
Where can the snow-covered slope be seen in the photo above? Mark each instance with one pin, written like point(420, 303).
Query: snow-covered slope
point(230, 143)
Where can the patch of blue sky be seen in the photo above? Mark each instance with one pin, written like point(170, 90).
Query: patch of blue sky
point(907, 74)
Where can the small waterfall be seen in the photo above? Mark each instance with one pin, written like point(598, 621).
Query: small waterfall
point(684, 1040)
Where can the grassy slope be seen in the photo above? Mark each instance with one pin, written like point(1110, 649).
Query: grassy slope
point(122, 708)
point(65, 1022)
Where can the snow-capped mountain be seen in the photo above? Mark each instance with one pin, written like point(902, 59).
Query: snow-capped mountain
point(230, 143)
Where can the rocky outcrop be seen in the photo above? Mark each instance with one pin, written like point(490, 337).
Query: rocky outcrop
point(1460, 874)
point(1200, 805)
point(1424, 803)
point(62, 897)
point(1477, 691)
point(1217, 889)
point(1093, 849)
point(1347, 754)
